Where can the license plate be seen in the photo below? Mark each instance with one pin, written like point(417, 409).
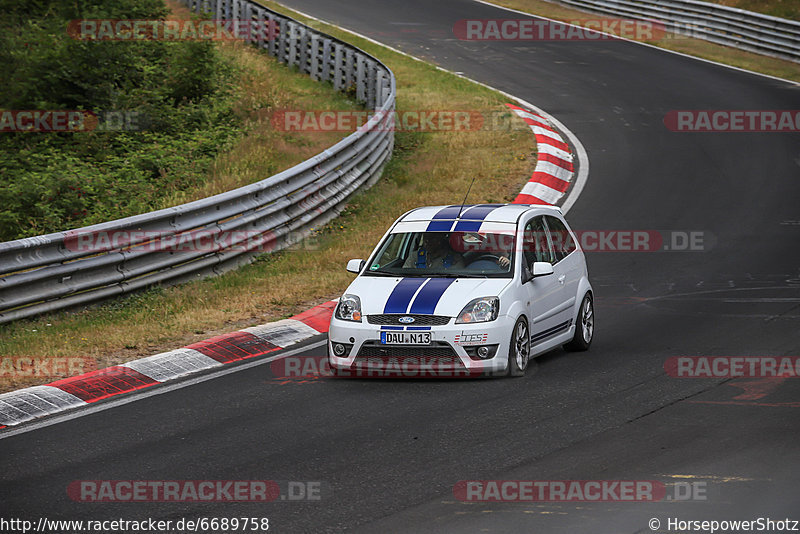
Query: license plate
point(405, 338)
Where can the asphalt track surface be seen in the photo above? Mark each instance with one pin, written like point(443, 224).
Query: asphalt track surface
point(389, 452)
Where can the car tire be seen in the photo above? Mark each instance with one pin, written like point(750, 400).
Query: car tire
point(584, 326)
point(519, 349)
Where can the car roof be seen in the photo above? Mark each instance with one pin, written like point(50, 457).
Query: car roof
point(496, 213)
point(468, 218)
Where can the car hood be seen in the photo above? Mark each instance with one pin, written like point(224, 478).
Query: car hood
point(420, 295)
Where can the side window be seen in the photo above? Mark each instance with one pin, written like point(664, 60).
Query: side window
point(563, 244)
point(534, 242)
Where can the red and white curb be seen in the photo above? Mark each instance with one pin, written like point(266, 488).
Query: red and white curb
point(554, 169)
point(24, 405)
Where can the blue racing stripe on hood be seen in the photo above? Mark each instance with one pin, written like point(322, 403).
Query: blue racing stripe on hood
point(429, 296)
point(401, 295)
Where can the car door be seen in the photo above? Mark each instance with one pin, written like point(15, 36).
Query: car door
point(544, 293)
point(566, 267)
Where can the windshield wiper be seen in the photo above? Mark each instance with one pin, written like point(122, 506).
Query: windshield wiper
point(381, 273)
point(423, 274)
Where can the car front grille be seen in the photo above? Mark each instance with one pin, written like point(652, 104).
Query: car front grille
point(377, 353)
point(419, 320)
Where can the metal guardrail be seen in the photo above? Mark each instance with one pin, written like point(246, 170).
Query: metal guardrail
point(54, 271)
point(754, 32)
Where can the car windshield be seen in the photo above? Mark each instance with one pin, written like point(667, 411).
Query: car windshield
point(450, 254)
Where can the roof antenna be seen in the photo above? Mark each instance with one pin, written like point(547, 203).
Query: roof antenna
point(465, 198)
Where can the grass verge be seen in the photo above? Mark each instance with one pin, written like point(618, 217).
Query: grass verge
point(678, 43)
point(434, 167)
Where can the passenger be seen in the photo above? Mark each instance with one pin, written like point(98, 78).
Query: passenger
point(435, 253)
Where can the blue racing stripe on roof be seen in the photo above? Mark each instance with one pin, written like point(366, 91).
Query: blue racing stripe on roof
point(429, 296)
point(479, 211)
point(468, 226)
point(474, 217)
point(438, 225)
point(450, 212)
point(401, 295)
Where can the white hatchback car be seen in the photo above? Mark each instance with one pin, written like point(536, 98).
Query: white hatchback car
point(464, 290)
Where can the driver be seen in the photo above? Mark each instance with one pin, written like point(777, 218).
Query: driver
point(491, 247)
point(503, 253)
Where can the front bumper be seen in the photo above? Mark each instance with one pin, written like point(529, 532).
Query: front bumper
point(448, 353)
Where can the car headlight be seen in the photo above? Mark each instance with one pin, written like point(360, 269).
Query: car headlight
point(349, 308)
point(479, 310)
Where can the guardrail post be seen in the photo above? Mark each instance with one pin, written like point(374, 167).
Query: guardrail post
point(326, 59)
point(349, 68)
point(338, 67)
point(372, 79)
point(306, 52)
point(273, 34)
point(361, 79)
point(315, 67)
point(292, 41)
point(381, 89)
point(236, 10)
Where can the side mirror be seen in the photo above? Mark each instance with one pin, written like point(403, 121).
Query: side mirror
point(541, 268)
point(355, 266)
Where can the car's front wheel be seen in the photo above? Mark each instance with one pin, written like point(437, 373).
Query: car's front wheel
point(520, 349)
point(584, 327)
